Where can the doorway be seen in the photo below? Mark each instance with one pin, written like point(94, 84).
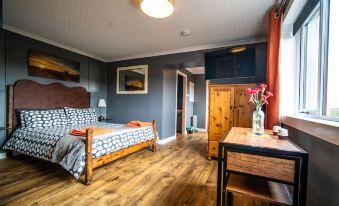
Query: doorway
point(181, 98)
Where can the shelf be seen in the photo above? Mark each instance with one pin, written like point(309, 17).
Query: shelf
point(257, 188)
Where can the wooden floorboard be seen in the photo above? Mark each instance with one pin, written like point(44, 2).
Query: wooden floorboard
point(177, 174)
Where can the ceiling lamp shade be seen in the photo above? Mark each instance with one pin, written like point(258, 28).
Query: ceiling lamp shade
point(157, 8)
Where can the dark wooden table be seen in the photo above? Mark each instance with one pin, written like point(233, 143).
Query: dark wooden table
point(264, 157)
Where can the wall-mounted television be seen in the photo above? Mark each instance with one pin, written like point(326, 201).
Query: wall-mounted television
point(233, 62)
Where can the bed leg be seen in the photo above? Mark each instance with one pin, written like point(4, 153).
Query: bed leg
point(154, 146)
point(89, 156)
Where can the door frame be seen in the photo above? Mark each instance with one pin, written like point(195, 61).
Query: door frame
point(184, 102)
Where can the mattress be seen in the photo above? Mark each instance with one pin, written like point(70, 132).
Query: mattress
point(56, 145)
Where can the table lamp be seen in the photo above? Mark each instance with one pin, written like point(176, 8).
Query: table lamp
point(101, 104)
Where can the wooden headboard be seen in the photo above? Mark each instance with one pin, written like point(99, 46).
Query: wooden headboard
point(27, 94)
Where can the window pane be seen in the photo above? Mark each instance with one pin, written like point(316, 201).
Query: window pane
point(333, 62)
point(312, 65)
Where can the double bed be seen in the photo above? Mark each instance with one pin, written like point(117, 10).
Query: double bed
point(43, 137)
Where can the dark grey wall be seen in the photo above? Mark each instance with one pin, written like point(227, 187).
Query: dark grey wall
point(199, 106)
point(97, 83)
point(93, 72)
point(17, 47)
point(323, 169)
point(168, 103)
point(159, 103)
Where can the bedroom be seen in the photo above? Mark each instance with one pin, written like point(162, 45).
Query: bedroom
point(103, 103)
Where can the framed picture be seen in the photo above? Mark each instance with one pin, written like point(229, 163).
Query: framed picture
point(52, 67)
point(132, 80)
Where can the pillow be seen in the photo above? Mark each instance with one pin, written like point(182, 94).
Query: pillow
point(81, 116)
point(43, 118)
point(19, 117)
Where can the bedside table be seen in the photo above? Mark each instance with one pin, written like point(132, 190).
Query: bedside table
point(244, 158)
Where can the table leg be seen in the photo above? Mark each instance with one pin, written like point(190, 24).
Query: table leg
point(224, 177)
point(296, 189)
point(220, 174)
point(303, 180)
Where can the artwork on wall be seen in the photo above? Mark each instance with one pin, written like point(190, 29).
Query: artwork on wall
point(52, 67)
point(132, 80)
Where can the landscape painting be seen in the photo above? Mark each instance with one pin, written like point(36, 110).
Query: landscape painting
point(134, 83)
point(52, 67)
point(132, 79)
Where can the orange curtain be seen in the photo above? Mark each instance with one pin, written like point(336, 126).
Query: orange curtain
point(272, 110)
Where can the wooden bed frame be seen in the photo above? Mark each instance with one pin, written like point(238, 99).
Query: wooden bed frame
point(27, 94)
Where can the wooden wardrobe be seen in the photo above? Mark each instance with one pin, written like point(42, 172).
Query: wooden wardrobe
point(228, 107)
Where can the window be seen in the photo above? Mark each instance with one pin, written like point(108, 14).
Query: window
point(310, 64)
point(332, 95)
point(319, 72)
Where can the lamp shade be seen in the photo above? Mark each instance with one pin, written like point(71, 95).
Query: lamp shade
point(101, 103)
point(157, 8)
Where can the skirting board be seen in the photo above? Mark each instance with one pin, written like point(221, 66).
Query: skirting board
point(201, 130)
point(167, 140)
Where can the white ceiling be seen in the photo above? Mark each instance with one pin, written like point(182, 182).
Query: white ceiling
point(117, 29)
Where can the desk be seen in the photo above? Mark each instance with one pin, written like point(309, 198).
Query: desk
point(265, 157)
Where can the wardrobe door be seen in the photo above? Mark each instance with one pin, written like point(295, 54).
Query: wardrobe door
point(220, 111)
point(243, 109)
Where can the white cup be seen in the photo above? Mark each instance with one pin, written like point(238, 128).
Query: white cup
point(283, 133)
point(276, 130)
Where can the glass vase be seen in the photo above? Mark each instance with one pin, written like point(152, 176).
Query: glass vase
point(258, 120)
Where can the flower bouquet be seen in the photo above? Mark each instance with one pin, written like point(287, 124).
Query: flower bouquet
point(258, 96)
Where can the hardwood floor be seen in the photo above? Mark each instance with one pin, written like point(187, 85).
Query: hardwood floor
point(177, 174)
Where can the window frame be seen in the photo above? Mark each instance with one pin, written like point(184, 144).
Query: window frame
point(323, 8)
point(303, 64)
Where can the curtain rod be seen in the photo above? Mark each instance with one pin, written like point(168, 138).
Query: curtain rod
point(279, 9)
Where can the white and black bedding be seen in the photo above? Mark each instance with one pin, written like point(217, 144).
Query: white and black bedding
point(56, 145)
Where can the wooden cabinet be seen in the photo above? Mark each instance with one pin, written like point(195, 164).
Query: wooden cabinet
point(228, 107)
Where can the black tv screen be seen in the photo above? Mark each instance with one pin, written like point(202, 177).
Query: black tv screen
point(236, 62)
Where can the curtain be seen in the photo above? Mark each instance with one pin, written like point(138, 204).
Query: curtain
point(272, 110)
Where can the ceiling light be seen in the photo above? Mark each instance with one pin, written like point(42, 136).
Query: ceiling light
point(157, 8)
point(238, 49)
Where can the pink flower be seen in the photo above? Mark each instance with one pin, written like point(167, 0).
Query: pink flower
point(269, 94)
point(254, 91)
point(262, 86)
point(248, 90)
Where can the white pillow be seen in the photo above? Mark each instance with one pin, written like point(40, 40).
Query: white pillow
point(80, 116)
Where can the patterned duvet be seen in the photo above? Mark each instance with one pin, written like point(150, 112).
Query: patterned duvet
point(54, 144)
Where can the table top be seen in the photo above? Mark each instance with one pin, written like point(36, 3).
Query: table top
point(245, 137)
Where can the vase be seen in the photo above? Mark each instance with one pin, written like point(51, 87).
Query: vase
point(258, 120)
